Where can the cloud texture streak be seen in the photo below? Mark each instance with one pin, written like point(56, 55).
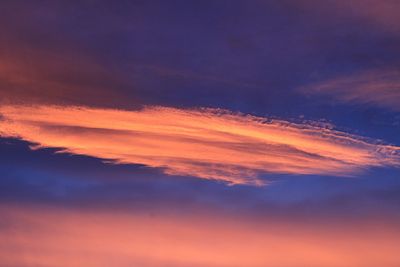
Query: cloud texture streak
point(378, 88)
point(204, 143)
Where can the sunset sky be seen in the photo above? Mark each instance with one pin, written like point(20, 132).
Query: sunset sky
point(200, 133)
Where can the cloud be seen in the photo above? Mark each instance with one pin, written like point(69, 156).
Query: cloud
point(42, 236)
point(51, 65)
point(63, 78)
point(380, 13)
point(378, 88)
point(204, 143)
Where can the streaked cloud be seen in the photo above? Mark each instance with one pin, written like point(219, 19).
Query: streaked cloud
point(380, 13)
point(205, 143)
point(49, 76)
point(378, 88)
point(43, 237)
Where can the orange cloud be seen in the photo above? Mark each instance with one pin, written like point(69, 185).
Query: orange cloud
point(44, 237)
point(205, 143)
point(379, 88)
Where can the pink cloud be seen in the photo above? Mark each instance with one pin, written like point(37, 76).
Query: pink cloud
point(47, 237)
point(204, 143)
point(378, 88)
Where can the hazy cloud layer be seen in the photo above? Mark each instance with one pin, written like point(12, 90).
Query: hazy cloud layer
point(378, 88)
point(205, 143)
point(383, 13)
point(43, 237)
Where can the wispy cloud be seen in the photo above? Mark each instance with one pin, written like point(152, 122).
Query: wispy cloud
point(379, 88)
point(381, 13)
point(205, 143)
point(44, 76)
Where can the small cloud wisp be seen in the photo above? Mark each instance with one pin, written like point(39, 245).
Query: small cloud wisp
point(377, 88)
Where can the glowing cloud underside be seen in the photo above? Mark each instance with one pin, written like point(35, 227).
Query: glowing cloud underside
point(205, 143)
point(42, 237)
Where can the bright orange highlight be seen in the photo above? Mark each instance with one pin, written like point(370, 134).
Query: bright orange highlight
point(205, 143)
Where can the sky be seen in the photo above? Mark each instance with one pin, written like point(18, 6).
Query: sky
point(200, 133)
